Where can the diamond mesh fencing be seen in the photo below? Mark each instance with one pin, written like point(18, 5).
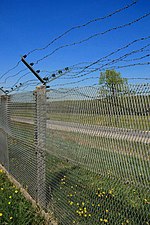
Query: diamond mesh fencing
point(22, 162)
point(82, 153)
point(97, 155)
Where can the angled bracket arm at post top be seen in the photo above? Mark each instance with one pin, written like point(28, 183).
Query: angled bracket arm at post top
point(32, 70)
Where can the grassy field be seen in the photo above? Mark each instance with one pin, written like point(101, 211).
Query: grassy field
point(120, 121)
point(14, 208)
point(89, 180)
point(83, 197)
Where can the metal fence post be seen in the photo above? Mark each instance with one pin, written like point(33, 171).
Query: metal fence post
point(5, 125)
point(40, 141)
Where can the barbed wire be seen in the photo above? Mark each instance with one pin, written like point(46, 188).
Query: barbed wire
point(12, 76)
point(94, 77)
point(75, 74)
point(116, 51)
point(71, 29)
point(69, 69)
point(14, 67)
point(28, 83)
point(113, 61)
point(92, 36)
point(84, 25)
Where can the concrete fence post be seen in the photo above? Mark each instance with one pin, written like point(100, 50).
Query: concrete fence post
point(40, 141)
point(5, 130)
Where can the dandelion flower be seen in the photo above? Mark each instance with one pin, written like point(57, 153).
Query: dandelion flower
point(106, 210)
point(89, 215)
point(110, 192)
point(2, 189)
point(16, 191)
point(9, 203)
point(105, 220)
point(10, 196)
point(10, 217)
point(101, 220)
point(85, 210)
point(1, 214)
point(1, 171)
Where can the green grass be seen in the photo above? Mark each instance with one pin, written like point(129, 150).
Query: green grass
point(106, 176)
point(120, 121)
point(14, 208)
point(83, 197)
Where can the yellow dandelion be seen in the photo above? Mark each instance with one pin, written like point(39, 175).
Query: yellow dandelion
point(101, 220)
point(98, 204)
point(92, 204)
point(85, 210)
point(2, 189)
point(83, 203)
point(1, 214)
point(77, 204)
point(9, 203)
point(16, 191)
point(110, 192)
point(10, 217)
point(105, 221)
point(73, 221)
point(71, 195)
point(10, 196)
point(1, 171)
point(127, 221)
point(106, 211)
point(89, 215)
point(71, 203)
point(85, 215)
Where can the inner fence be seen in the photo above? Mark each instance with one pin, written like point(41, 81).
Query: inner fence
point(82, 153)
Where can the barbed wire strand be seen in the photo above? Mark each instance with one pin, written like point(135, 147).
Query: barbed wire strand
point(115, 67)
point(84, 25)
point(14, 67)
point(92, 36)
point(71, 29)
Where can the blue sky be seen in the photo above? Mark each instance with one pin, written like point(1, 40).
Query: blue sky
point(25, 25)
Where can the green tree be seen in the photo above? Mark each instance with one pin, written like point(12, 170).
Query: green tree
point(112, 82)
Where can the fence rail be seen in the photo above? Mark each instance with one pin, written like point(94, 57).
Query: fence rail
point(83, 153)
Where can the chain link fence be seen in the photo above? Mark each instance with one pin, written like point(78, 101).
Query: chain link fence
point(82, 153)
